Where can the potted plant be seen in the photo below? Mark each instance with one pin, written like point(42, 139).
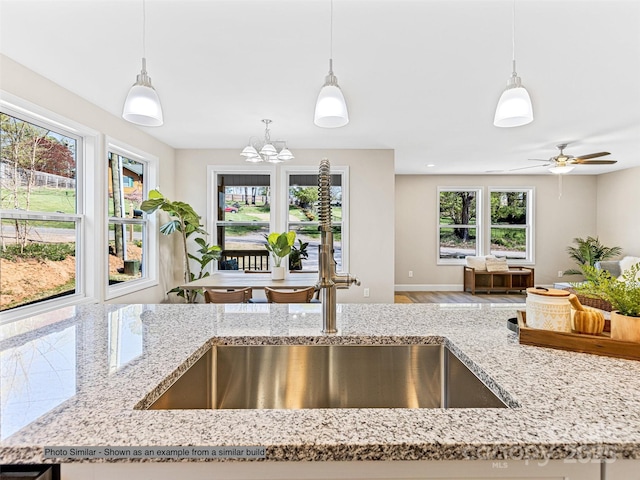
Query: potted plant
point(297, 255)
point(185, 220)
point(624, 296)
point(279, 245)
point(589, 251)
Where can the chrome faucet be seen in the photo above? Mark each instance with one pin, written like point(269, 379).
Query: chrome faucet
point(328, 279)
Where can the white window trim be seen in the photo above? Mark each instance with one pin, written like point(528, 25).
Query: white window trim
point(283, 201)
point(151, 244)
point(87, 240)
point(212, 197)
point(478, 226)
point(530, 225)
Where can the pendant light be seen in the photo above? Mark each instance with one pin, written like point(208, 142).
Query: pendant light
point(514, 107)
point(142, 105)
point(331, 107)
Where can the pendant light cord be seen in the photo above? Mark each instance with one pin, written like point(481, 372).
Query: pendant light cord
point(331, 32)
point(513, 36)
point(144, 30)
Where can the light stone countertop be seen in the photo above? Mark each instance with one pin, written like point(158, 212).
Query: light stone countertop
point(73, 377)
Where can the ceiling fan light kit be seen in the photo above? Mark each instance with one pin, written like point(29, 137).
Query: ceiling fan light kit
point(265, 151)
point(561, 169)
point(142, 105)
point(331, 107)
point(514, 107)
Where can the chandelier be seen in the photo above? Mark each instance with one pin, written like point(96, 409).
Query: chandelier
point(266, 150)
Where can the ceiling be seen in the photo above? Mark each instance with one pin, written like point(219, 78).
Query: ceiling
point(420, 77)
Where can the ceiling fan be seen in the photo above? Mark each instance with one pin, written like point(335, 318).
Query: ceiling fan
point(564, 163)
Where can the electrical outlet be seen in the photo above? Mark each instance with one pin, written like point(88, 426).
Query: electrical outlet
point(366, 292)
point(560, 273)
point(410, 273)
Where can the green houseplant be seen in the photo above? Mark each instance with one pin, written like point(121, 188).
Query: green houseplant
point(279, 245)
point(587, 252)
point(624, 296)
point(186, 221)
point(298, 253)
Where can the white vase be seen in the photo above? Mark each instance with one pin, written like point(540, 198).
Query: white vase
point(277, 273)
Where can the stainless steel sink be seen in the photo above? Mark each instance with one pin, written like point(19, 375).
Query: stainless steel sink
point(328, 376)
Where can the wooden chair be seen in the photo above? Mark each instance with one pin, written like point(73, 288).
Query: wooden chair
point(289, 296)
point(239, 295)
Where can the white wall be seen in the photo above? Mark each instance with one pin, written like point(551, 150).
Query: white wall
point(371, 175)
point(557, 222)
point(618, 210)
point(21, 82)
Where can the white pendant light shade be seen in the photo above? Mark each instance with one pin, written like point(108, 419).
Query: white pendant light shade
point(331, 107)
point(285, 154)
point(142, 105)
point(249, 152)
point(514, 107)
point(268, 150)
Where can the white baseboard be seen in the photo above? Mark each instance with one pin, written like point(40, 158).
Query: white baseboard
point(428, 288)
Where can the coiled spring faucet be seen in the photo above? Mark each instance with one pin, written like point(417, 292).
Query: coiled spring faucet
point(328, 279)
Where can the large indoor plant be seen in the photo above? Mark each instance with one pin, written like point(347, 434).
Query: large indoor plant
point(186, 221)
point(587, 252)
point(279, 245)
point(623, 294)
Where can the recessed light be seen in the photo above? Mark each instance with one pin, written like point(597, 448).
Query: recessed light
point(430, 165)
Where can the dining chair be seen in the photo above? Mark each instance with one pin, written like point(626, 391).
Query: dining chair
point(232, 295)
point(289, 296)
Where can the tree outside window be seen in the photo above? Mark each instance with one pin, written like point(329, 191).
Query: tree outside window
point(40, 213)
point(458, 224)
point(510, 224)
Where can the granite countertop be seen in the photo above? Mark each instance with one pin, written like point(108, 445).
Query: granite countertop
point(74, 377)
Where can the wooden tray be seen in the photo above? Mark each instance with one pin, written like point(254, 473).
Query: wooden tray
point(578, 342)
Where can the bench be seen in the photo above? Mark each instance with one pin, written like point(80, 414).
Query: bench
point(516, 278)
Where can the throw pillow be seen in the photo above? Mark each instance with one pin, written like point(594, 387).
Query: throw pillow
point(497, 265)
point(626, 263)
point(476, 262)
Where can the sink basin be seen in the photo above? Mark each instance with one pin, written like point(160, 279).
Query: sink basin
point(328, 376)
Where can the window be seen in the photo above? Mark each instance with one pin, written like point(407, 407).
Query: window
point(458, 224)
point(302, 214)
point(131, 234)
point(511, 223)
point(250, 202)
point(242, 217)
point(41, 209)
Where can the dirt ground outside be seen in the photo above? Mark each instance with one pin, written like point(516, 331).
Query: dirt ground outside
point(27, 279)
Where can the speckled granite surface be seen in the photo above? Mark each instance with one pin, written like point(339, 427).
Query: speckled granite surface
point(74, 378)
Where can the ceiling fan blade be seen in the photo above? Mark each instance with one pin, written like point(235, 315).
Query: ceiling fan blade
point(592, 155)
point(532, 166)
point(538, 160)
point(594, 162)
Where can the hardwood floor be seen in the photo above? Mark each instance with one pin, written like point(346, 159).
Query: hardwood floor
point(458, 297)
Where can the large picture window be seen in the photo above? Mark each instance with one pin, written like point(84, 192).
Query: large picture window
point(458, 224)
point(511, 223)
point(41, 211)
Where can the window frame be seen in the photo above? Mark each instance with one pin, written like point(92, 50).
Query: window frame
point(283, 202)
point(529, 226)
point(479, 191)
point(150, 245)
point(212, 223)
point(87, 241)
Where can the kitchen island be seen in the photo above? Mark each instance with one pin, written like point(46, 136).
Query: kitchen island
point(83, 377)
